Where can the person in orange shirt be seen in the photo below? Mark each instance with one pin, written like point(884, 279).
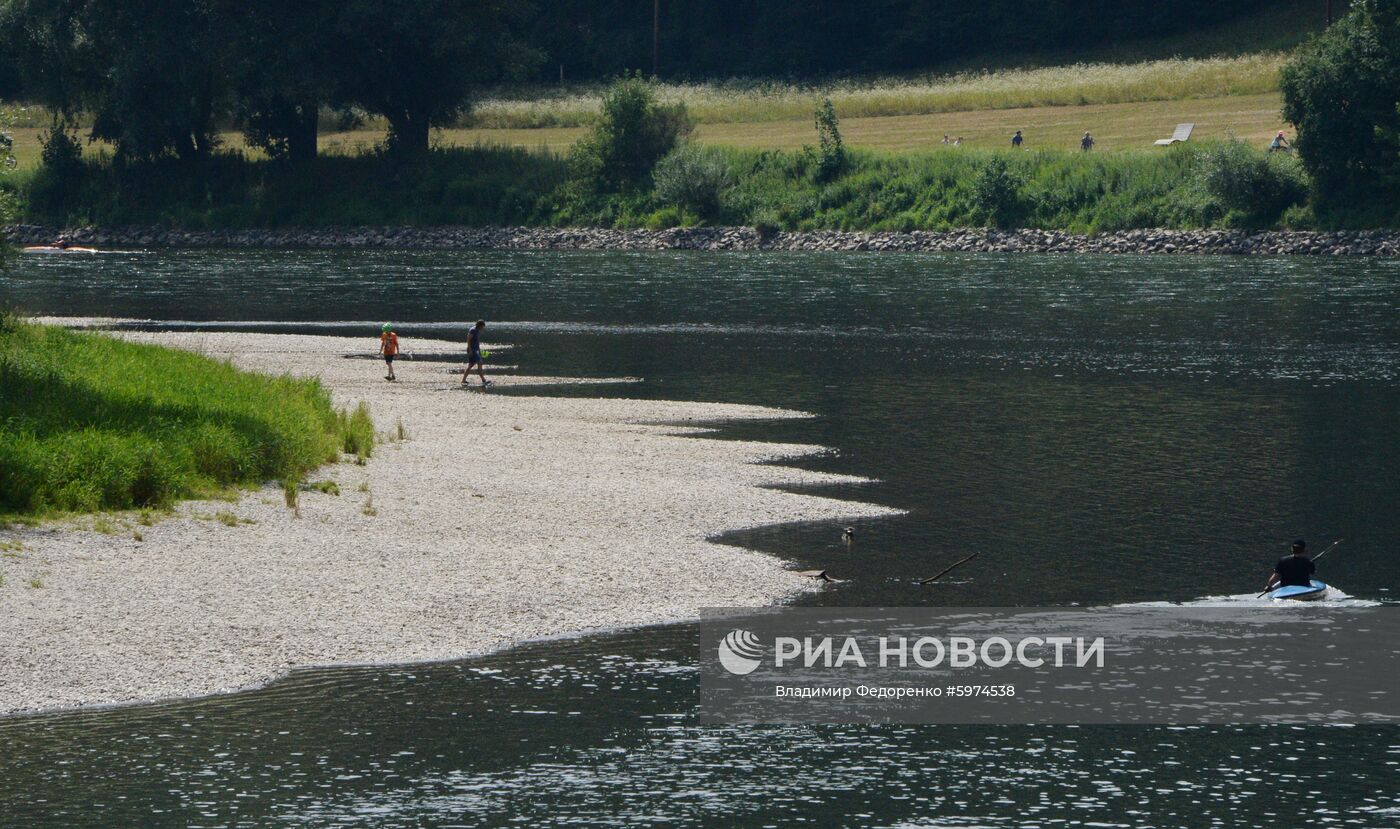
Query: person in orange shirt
point(389, 348)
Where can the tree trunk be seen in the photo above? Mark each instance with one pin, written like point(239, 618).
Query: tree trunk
point(187, 147)
point(408, 132)
point(301, 141)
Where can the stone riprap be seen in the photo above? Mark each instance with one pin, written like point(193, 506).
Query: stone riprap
point(1238, 242)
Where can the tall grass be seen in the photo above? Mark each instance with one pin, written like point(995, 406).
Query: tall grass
point(1091, 83)
point(88, 422)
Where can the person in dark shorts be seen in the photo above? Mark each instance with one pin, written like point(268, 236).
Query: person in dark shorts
point(474, 354)
point(1296, 569)
point(1017, 139)
point(388, 348)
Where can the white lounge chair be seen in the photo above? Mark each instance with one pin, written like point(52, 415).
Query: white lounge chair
point(1183, 133)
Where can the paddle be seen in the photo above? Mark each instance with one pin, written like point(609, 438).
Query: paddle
point(941, 573)
point(1314, 558)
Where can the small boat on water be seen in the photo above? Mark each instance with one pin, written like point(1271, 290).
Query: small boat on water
point(58, 249)
point(1300, 592)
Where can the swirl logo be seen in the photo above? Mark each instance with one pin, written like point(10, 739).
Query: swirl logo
point(740, 653)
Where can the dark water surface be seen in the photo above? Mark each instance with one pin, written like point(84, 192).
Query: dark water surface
point(1101, 429)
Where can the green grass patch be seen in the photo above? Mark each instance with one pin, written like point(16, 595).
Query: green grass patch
point(91, 423)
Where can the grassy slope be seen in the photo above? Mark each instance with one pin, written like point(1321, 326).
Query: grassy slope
point(89, 422)
point(936, 190)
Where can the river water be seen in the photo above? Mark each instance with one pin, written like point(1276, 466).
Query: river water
point(1100, 429)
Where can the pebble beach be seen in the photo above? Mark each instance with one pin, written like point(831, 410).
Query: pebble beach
point(487, 521)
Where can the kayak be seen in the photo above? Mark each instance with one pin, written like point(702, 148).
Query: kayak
point(57, 249)
point(1300, 592)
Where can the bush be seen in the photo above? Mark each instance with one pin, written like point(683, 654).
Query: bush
point(1253, 186)
point(669, 217)
point(997, 193)
point(766, 223)
point(1298, 217)
point(1342, 92)
point(632, 134)
point(692, 177)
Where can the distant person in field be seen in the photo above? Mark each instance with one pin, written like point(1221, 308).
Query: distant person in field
point(388, 348)
point(474, 354)
point(1016, 140)
point(947, 140)
point(1279, 144)
point(957, 142)
point(1086, 143)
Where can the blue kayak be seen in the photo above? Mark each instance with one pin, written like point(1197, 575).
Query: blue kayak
point(1303, 593)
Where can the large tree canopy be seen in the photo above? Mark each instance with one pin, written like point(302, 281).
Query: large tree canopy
point(417, 62)
point(158, 77)
point(279, 68)
point(151, 74)
point(1342, 92)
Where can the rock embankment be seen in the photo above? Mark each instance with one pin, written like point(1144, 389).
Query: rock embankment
point(1239, 242)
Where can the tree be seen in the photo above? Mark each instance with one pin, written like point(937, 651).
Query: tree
point(831, 150)
point(417, 62)
point(7, 199)
point(167, 78)
point(281, 71)
point(633, 132)
point(1341, 91)
point(55, 62)
point(152, 74)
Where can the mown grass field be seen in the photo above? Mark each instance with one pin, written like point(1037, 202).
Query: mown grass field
point(89, 423)
point(1115, 127)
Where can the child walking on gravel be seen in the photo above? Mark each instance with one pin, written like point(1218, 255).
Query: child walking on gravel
point(474, 354)
point(389, 348)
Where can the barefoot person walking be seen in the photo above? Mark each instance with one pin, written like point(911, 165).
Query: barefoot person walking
point(474, 354)
point(389, 348)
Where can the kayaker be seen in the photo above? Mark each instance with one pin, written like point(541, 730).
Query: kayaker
point(1293, 570)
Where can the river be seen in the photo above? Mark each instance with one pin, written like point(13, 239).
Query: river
point(1101, 429)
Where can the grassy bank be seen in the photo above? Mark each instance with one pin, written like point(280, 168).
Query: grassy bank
point(88, 423)
point(932, 189)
